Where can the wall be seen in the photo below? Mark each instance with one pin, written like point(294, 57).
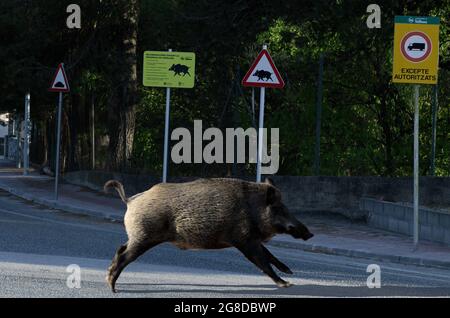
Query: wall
point(434, 224)
point(306, 194)
point(132, 183)
point(342, 194)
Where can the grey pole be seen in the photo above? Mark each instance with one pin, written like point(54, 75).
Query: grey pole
point(26, 139)
point(434, 124)
point(166, 133)
point(262, 97)
point(253, 104)
point(416, 166)
point(260, 133)
point(19, 153)
point(318, 116)
point(93, 132)
point(58, 140)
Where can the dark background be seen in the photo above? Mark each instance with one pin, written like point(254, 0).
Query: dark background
point(367, 121)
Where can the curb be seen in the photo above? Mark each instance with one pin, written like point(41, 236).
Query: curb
point(406, 260)
point(61, 206)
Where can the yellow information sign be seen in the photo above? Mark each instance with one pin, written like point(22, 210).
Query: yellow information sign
point(169, 69)
point(416, 50)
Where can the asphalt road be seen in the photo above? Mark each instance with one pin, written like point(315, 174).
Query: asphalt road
point(37, 245)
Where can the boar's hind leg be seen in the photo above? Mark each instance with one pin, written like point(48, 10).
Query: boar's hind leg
point(257, 256)
point(276, 262)
point(125, 255)
point(113, 265)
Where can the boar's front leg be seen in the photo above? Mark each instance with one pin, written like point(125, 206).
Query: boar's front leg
point(276, 262)
point(255, 254)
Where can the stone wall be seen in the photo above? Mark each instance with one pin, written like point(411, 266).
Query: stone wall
point(307, 194)
point(344, 193)
point(434, 224)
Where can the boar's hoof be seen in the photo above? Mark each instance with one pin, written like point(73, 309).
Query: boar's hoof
point(110, 284)
point(284, 284)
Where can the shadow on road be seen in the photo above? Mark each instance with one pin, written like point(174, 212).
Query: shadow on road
point(273, 291)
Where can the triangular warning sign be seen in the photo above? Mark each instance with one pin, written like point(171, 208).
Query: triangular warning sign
point(263, 73)
point(60, 83)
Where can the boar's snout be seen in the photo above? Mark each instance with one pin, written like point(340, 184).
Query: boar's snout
point(282, 220)
point(286, 223)
point(300, 232)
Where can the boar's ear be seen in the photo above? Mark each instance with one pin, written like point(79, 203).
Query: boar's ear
point(271, 195)
point(270, 181)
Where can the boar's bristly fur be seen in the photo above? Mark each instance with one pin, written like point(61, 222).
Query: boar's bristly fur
point(207, 214)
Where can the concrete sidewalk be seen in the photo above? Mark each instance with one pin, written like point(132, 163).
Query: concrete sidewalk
point(338, 236)
point(333, 235)
point(40, 189)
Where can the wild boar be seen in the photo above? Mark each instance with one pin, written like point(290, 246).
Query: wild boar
point(261, 74)
point(206, 214)
point(179, 68)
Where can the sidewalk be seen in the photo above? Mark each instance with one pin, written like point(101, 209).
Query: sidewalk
point(342, 237)
point(333, 235)
point(40, 189)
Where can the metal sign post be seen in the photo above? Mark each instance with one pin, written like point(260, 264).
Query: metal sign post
point(416, 61)
point(416, 165)
point(253, 105)
point(260, 133)
point(26, 141)
point(168, 69)
point(93, 132)
point(263, 73)
point(166, 133)
point(262, 98)
point(58, 140)
point(61, 85)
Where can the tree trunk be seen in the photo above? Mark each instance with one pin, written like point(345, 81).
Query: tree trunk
point(44, 143)
point(73, 114)
point(123, 99)
point(384, 120)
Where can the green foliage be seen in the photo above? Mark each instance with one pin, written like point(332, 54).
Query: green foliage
point(367, 121)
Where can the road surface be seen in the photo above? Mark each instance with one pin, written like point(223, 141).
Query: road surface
point(37, 245)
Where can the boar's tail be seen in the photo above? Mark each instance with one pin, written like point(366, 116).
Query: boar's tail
point(119, 188)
